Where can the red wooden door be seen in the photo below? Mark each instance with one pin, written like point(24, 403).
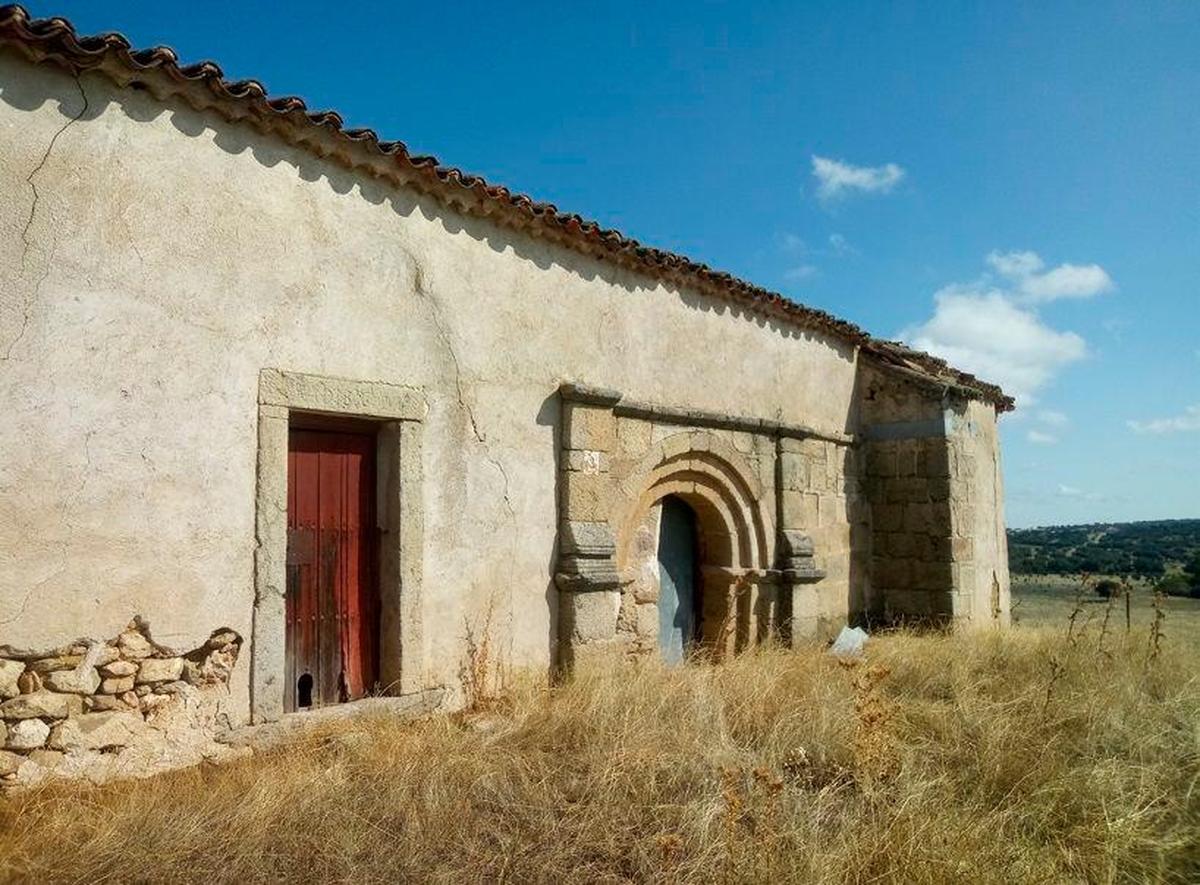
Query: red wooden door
point(332, 602)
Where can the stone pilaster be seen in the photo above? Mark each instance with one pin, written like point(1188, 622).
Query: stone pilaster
point(586, 572)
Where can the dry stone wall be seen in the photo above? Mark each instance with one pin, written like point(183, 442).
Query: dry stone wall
point(102, 709)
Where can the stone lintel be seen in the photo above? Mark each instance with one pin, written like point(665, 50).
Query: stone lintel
point(300, 392)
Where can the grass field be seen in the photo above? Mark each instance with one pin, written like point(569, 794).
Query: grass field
point(1032, 755)
point(1050, 599)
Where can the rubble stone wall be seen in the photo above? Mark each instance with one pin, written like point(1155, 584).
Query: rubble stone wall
point(101, 709)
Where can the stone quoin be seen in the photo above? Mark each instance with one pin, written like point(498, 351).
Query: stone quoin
point(293, 416)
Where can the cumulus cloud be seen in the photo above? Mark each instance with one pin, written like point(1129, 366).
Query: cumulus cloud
point(1188, 421)
point(991, 328)
point(982, 331)
point(836, 178)
point(1041, 438)
point(1026, 273)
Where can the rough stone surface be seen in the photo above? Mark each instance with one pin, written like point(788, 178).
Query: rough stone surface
point(134, 645)
point(116, 685)
point(594, 615)
point(103, 702)
point(152, 701)
point(27, 734)
point(57, 662)
point(97, 731)
point(10, 675)
point(9, 762)
point(84, 680)
point(159, 670)
point(29, 682)
point(41, 704)
point(223, 638)
point(119, 669)
point(48, 760)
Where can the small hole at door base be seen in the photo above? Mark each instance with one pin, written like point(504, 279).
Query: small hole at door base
point(304, 691)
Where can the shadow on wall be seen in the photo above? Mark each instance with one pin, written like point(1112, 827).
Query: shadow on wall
point(550, 415)
point(134, 101)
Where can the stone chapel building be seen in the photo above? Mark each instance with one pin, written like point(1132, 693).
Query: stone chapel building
point(275, 386)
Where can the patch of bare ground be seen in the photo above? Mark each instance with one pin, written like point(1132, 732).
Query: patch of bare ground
point(1030, 755)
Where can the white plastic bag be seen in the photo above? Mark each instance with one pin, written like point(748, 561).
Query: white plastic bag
point(849, 643)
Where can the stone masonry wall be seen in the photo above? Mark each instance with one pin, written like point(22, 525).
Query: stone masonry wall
point(913, 544)
point(98, 709)
point(822, 497)
point(933, 483)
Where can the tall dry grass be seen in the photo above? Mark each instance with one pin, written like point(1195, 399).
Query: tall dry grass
point(937, 759)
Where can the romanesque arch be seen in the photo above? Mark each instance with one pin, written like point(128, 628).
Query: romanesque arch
point(712, 477)
point(735, 529)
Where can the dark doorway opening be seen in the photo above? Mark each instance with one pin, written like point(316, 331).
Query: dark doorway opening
point(679, 586)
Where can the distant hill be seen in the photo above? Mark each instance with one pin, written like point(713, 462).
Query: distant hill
point(1135, 549)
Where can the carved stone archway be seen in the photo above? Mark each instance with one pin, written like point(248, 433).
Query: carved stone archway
point(738, 589)
point(619, 460)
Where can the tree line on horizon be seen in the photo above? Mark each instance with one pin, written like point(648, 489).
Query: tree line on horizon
point(1163, 552)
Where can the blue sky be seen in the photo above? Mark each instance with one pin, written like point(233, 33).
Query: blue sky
point(1016, 186)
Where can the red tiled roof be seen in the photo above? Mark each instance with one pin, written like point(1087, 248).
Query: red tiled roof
point(204, 86)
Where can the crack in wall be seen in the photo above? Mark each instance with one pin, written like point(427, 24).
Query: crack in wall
point(27, 244)
point(439, 323)
point(443, 333)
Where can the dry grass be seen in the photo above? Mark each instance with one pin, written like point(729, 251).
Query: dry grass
point(937, 759)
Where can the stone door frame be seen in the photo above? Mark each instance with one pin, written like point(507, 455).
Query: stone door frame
point(398, 412)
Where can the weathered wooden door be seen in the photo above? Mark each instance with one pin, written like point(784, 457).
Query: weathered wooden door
point(332, 602)
point(677, 553)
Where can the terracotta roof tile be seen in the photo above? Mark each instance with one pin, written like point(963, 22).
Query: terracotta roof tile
point(203, 84)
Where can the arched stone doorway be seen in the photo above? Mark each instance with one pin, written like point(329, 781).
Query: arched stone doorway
point(693, 498)
point(747, 485)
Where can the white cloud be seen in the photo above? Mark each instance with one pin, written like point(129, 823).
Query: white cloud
point(836, 178)
point(1051, 418)
point(1024, 270)
point(982, 331)
point(800, 272)
point(990, 327)
point(1188, 421)
point(1015, 264)
point(1040, 438)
